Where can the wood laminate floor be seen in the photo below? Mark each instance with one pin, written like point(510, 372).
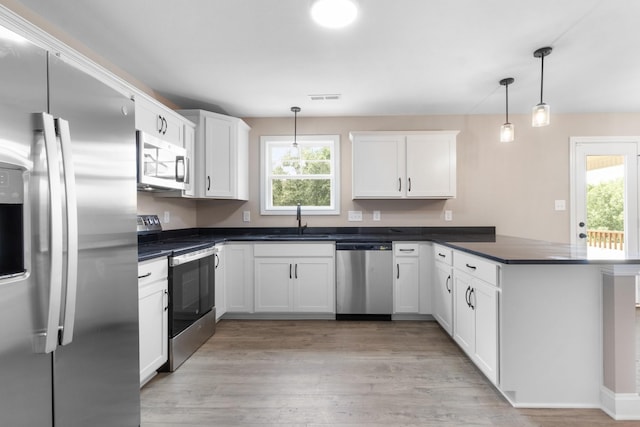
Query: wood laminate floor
point(328, 373)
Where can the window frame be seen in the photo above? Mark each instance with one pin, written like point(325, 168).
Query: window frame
point(265, 189)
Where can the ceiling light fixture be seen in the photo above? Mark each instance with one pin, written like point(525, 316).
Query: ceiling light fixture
point(334, 13)
point(541, 112)
point(295, 111)
point(506, 130)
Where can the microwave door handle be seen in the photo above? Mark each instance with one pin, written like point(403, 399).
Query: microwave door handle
point(180, 172)
point(47, 341)
point(187, 165)
point(68, 321)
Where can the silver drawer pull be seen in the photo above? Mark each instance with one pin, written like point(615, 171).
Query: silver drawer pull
point(407, 250)
point(144, 275)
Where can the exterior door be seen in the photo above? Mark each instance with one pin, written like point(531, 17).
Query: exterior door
point(604, 187)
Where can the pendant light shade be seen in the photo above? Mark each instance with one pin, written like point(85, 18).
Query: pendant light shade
point(507, 130)
point(541, 113)
point(295, 111)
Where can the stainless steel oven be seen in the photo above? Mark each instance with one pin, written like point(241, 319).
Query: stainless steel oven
point(192, 312)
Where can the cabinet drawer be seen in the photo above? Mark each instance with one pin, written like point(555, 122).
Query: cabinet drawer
point(442, 254)
point(476, 267)
point(406, 249)
point(152, 270)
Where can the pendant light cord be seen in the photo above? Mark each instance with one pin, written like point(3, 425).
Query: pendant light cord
point(541, 77)
point(506, 87)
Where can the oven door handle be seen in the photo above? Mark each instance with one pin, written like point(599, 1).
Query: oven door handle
point(190, 256)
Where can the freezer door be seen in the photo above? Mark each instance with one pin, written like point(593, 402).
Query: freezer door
point(25, 375)
point(96, 374)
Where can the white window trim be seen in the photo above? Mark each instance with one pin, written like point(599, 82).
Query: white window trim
point(336, 175)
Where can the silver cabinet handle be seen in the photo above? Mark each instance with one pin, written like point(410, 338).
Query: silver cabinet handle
point(407, 250)
point(409, 187)
point(47, 341)
point(68, 322)
point(144, 275)
point(398, 271)
point(399, 184)
point(446, 283)
point(296, 271)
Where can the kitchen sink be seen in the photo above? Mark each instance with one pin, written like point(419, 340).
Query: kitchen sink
point(296, 236)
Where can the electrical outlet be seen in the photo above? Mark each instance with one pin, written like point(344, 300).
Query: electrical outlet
point(246, 216)
point(167, 217)
point(376, 215)
point(561, 205)
point(355, 216)
point(448, 215)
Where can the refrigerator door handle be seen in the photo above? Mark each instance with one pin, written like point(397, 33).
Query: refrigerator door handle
point(68, 321)
point(47, 341)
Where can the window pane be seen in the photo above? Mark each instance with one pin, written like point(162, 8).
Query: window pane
point(307, 192)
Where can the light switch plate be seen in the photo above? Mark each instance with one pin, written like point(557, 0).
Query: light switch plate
point(167, 217)
point(355, 216)
point(448, 215)
point(561, 205)
point(376, 215)
point(246, 216)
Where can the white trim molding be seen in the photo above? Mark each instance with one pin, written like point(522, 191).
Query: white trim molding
point(620, 406)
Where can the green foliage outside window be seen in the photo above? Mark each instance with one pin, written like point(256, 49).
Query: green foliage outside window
point(605, 205)
point(302, 176)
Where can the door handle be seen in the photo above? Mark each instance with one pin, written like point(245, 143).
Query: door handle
point(472, 293)
point(466, 296)
point(208, 183)
point(409, 187)
point(68, 322)
point(47, 341)
point(296, 271)
point(290, 276)
point(399, 184)
point(446, 283)
point(398, 271)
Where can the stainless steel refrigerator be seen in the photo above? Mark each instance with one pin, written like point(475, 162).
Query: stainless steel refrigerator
point(68, 254)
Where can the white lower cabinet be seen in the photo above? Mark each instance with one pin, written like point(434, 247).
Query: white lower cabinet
point(443, 287)
point(153, 304)
point(238, 277)
point(411, 283)
point(220, 300)
point(475, 323)
point(294, 277)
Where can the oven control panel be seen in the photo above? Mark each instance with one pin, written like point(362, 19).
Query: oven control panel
point(149, 224)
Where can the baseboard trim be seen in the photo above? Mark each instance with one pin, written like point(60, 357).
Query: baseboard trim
point(620, 406)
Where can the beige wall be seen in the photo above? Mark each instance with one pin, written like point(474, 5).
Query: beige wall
point(512, 186)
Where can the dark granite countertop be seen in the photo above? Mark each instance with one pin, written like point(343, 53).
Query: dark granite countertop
point(481, 241)
point(515, 250)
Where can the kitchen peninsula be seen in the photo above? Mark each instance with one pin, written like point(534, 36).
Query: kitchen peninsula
point(555, 317)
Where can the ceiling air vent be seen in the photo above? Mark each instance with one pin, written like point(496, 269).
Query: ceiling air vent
point(325, 97)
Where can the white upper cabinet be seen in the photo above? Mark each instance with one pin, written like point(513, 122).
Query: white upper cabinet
point(416, 164)
point(155, 119)
point(221, 155)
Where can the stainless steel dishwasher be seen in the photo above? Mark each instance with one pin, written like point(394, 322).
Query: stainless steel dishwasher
point(364, 281)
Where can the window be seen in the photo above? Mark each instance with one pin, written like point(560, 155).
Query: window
point(308, 174)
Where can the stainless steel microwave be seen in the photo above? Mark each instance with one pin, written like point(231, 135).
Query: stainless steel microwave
point(161, 165)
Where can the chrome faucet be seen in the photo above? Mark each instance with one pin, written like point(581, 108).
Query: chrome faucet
point(299, 218)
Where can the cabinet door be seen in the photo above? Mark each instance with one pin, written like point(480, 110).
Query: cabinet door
point(238, 278)
point(407, 285)
point(152, 316)
point(443, 296)
point(484, 300)
point(464, 321)
point(431, 166)
point(189, 145)
point(157, 121)
point(273, 277)
point(221, 306)
point(314, 285)
point(220, 157)
point(378, 167)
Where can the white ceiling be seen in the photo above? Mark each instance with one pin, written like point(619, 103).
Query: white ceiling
point(257, 58)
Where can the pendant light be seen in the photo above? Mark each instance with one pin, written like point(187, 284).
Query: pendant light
point(295, 111)
point(506, 130)
point(541, 112)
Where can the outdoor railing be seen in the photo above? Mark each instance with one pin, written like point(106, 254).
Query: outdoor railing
point(606, 239)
